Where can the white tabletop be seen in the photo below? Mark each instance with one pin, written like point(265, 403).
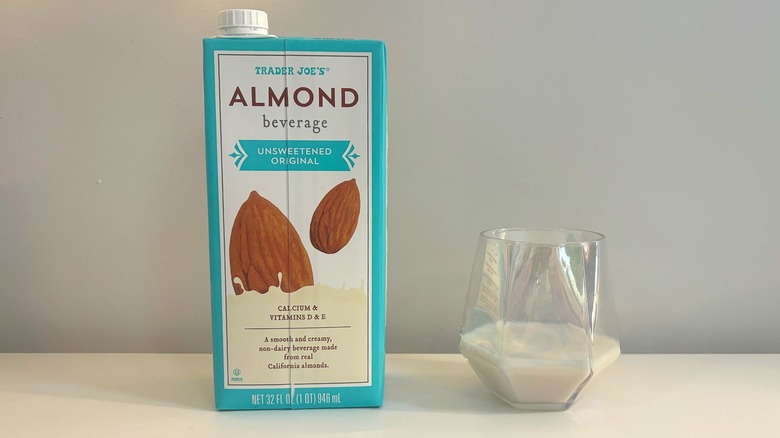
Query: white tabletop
point(170, 395)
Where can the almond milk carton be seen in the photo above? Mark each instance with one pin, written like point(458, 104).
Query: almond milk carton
point(296, 166)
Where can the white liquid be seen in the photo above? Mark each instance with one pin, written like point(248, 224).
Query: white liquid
point(535, 363)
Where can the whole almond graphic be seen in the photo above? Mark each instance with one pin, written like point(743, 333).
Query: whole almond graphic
point(336, 217)
point(263, 244)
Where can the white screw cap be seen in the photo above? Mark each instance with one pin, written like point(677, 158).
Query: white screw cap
point(243, 22)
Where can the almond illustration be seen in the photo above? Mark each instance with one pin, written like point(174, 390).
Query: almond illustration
point(263, 244)
point(336, 217)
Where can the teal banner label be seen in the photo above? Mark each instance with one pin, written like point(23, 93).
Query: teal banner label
point(282, 155)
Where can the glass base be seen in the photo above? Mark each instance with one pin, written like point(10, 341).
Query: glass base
point(549, 407)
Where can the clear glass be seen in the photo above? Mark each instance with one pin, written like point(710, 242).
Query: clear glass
point(539, 323)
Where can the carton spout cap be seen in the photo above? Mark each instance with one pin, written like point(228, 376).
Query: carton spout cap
point(243, 22)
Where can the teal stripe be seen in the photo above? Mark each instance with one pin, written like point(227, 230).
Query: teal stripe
point(235, 399)
point(212, 188)
point(379, 218)
point(294, 155)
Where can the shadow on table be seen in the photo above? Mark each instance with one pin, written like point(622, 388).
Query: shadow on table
point(175, 380)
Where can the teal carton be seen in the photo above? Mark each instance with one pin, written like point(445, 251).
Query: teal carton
point(296, 168)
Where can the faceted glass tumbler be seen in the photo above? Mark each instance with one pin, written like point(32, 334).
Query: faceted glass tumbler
point(539, 322)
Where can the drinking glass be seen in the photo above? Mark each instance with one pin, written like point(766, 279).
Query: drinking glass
point(539, 324)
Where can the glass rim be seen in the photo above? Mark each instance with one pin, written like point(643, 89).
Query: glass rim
point(594, 237)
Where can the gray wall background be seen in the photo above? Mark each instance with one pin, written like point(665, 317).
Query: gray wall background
point(654, 122)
